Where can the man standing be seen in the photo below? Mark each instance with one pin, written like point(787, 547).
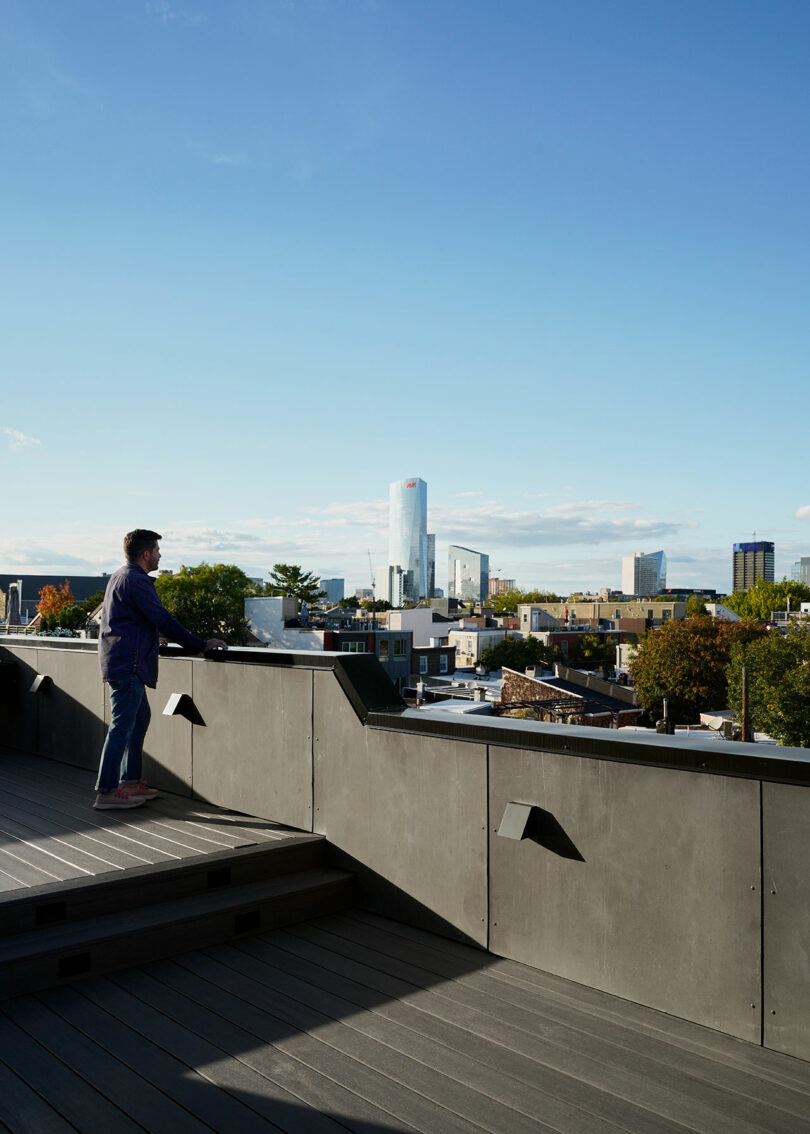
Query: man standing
point(132, 620)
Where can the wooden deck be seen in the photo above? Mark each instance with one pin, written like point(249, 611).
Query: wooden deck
point(344, 1022)
point(355, 1023)
point(50, 833)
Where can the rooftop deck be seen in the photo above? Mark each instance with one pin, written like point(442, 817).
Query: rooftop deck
point(356, 1023)
point(346, 1022)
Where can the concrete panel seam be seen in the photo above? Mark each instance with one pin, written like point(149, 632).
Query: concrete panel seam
point(487, 819)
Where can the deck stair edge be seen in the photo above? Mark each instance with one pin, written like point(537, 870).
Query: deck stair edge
point(115, 891)
point(147, 930)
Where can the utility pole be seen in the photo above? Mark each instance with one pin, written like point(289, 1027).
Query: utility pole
point(746, 728)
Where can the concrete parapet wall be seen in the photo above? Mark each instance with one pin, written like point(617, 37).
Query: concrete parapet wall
point(672, 874)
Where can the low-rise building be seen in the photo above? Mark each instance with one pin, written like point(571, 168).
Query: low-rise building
point(438, 660)
point(607, 615)
point(568, 697)
point(391, 648)
point(719, 610)
point(470, 641)
point(423, 622)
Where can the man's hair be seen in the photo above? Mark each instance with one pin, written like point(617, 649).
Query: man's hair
point(139, 541)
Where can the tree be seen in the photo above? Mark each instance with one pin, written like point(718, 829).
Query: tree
point(593, 651)
point(351, 603)
point(762, 598)
point(508, 601)
point(695, 605)
point(209, 601)
point(686, 662)
point(517, 653)
point(52, 600)
point(376, 605)
point(289, 579)
point(89, 605)
point(778, 684)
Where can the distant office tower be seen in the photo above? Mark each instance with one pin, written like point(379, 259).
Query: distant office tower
point(801, 570)
point(431, 566)
point(640, 574)
point(333, 588)
point(661, 559)
point(498, 586)
point(407, 534)
point(389, 585)
point(752, 561)
point(467, 573)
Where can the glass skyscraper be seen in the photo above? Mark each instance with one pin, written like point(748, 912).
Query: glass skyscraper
point(467, 573)
point(407, 534)
point(801, 570)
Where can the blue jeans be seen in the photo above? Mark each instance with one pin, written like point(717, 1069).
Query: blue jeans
point(129, 719)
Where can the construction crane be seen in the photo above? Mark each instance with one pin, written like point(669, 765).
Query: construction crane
point(373, 622)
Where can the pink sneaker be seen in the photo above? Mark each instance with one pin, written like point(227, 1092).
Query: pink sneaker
point(141, 790)
point(121, 797)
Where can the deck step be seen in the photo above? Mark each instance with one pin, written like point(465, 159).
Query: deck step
point(89, 946)
point(115, 891)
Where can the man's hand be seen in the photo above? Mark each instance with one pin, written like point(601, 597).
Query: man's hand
point(214, 644)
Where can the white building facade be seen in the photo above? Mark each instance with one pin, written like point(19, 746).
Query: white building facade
point(467, 573)
point(389, 584)
point(641, 574)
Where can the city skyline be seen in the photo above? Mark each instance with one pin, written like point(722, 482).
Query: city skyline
point(552, 257)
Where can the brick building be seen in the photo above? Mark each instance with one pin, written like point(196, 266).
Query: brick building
point(570, 697)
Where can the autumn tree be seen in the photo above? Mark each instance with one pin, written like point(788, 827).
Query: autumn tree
point(778, 684)
point(52, 600)
point(686, 662)
point(209, 601)
point(289, 579)
point(762, 598)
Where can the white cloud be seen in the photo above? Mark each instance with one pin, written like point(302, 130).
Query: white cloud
point(357, 513)
point(19, 440)
point(803, 513)
point(459, 495)
point(489, 525)
point(169, 13)
point(579, 508)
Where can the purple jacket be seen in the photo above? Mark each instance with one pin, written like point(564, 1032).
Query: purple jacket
point(132, 620)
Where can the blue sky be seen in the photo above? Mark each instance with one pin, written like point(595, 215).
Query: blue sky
point(262, 258)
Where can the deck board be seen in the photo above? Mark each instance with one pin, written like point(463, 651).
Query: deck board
point(49, 831)
point(92, 1062)
point(394, 1068)
point(510, 1050)
point(19, 1103)
point(328, 1025)
point(304, 1007)
point(652, 1056)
